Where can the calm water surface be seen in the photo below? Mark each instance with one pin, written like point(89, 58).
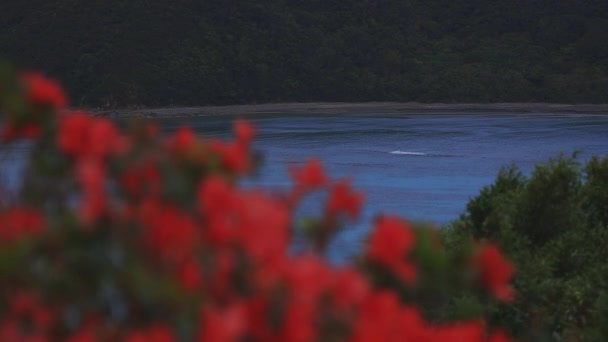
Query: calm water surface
point(424, 167)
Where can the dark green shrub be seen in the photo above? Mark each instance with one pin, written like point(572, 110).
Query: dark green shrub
point(552, 224)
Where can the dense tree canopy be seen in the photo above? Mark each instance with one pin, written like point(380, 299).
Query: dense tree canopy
point(553, 224)
point(138, 52)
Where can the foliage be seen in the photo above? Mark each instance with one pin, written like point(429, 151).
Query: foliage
point(553, 226)
point(120, 53)
point(132, 236)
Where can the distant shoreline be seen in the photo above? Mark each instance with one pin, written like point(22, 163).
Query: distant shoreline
point(360, 108)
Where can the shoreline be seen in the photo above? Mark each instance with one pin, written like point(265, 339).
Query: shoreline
point(386, 108)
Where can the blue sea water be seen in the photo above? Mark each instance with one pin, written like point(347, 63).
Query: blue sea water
point(424, 167)
point(421, 166)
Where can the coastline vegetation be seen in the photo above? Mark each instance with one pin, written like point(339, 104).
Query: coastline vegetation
point(118, 53)
point(554, 226)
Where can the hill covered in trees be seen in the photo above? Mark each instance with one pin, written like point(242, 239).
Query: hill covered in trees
point(179, 52)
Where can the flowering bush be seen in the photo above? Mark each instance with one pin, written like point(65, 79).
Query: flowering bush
point(129, 235)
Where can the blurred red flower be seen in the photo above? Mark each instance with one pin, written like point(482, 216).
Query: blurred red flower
point(342, 199)
point(43, 91)
point(389, 245)
point(496, 272)
point(309, 177)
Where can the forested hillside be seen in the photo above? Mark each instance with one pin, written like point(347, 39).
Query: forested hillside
point(186, 52)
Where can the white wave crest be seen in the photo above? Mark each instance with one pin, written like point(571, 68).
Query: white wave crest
point(409, 153)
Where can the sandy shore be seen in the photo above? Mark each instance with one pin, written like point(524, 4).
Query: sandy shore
point(360, 108)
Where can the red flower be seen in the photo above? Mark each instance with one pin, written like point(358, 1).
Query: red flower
point(223, 324)
point(244, 132)
point(72, 136)
point(307, 278)
point(182, 140)
point(18, 223)
point(309, 177)
point(342, 199)
point(496, 272)
point(140, 178)
point(264, 227)
point(171, 233)
point(299, 323)
point(378, 319)
point(28, 131)
point(81, 135)
point(216, 196)
point(233, 157)
point(91, 175)
point(103, 139)
point(349, 288)
point(464, 331)
point(10, 330)
point(391, 241)
point(413, 326)
point(27, 305)
point(43, 91)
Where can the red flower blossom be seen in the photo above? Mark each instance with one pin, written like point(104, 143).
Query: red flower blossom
point(18, 223)
point(378, 319)
point(28, 131)
point(183, 139)
point(72, 136)
point(216, 196)
point(223, 324)
point(496, 272)
point(342, 199)
point(81, 135)
point(465, 331)
point(233, 157)
point(103, 139)
point(414, 327)
point(299, 323)
point(264, 227)
point(307, 278)
point(244, 132)
point(171, 233)
point(43, 91)
point(310, 176)
point(10, 330)
point(349, 288)
point(141, 178)
point(389, 245)
point(91, 175)
point(24, 305)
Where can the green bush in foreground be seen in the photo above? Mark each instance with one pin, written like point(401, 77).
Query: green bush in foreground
point(554, 226)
